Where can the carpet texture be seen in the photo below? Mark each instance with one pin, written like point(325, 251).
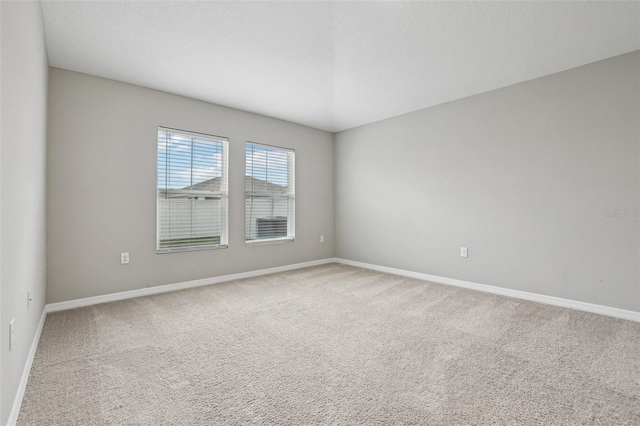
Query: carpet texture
point(333, 345)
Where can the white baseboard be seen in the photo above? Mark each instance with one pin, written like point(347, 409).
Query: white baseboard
point(518, 294)
point(22, 386)
point(78, 303)
point(534, 297)
point(53, 307)
point(540, 298)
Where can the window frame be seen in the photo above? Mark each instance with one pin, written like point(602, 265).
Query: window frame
point(224, 195)
point(291, 178)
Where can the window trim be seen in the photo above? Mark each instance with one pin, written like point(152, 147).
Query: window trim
point(223, 196)
point(276, 240)
point(292, 198)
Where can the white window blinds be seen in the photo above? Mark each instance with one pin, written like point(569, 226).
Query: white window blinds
point(192, 193)
point(269, 194)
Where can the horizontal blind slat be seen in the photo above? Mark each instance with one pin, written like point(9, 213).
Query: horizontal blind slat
point(269, 192)
point(192, 191)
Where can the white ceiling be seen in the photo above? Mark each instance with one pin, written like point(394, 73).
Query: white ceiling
point(334, 65)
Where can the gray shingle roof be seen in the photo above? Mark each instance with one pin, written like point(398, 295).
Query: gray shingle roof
point(251, 185)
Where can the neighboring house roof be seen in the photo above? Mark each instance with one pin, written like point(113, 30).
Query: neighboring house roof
point(251, 185)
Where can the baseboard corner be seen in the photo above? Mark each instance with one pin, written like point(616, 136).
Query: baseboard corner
point(22, 386)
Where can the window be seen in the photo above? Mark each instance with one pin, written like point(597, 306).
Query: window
point(192, 194)
point(269, 194)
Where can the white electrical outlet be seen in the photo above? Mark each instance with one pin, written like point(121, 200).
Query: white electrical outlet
point(124, 258)
point(464, 252)
point(322, 238)
point(12, 332)
point(29, 299)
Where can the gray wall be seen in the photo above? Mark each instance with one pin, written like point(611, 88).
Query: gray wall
point(101, 191)
point(521, 176)
point(22, 187)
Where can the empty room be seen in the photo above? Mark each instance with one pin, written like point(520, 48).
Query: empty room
point(319, 212)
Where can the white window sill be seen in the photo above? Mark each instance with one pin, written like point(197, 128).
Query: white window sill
point(269, 241)
point(190, 249)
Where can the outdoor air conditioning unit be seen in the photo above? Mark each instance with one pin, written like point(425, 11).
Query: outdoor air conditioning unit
point(271, 227)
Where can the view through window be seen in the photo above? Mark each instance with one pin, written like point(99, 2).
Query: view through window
point(269, 193)
point(192, 191)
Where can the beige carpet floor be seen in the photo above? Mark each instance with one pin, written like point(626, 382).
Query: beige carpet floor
point(333, 345)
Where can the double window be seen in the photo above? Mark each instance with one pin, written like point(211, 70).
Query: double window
point(192, 191)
